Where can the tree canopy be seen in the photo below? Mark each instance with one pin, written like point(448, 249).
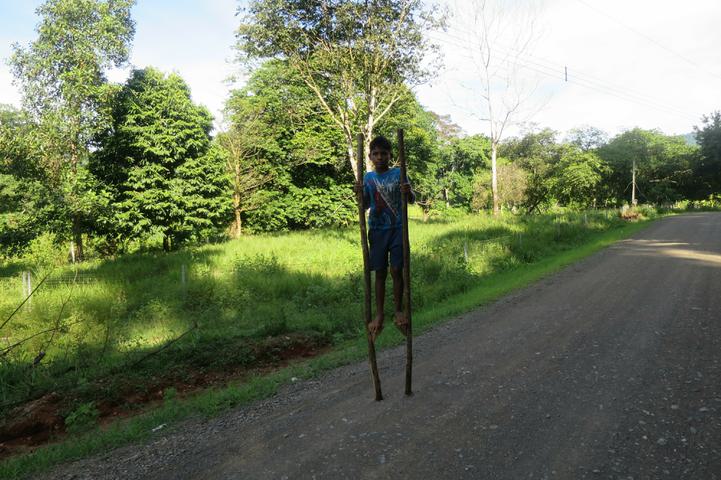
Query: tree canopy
point(356, 57)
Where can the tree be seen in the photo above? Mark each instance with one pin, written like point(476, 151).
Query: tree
point(587, 138)
point(285, 154)
point(62, 76)
point(502, 90)
point(465, 158)
point(537, 153)
point(708, 136)
point(660, 166)
point(578, 176)
point(357, 57)
point(155, 160)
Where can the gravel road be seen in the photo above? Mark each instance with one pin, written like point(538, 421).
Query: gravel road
point(609, 369)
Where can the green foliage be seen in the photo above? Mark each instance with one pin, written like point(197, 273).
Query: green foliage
point(62, 77)
point(157, 163)
point(579, 177)
point(708, 137)
point(664, 166)
point(537, 153)
point(587, 138)
point(356, 57)
point(84, 417)
point(44, 253)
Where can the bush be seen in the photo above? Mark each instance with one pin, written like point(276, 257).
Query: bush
point(84, 417)
point(44, 252)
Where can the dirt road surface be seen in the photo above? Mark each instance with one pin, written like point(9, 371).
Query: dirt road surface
point(609, 369)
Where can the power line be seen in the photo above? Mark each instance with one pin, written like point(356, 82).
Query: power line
point(555, 71)
point(608, 88)
point(650, 39)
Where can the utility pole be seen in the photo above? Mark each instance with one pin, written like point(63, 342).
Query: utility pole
point(633, 184)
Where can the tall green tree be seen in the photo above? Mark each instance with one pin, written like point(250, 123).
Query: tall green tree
point(357, 57)
point(663, 166)
point(294, 152)
point(25, 205)
point(157, 162)
point(537, 153)
point(587, 138)
point(578, 177)
point(708, 136)
point(62, 77)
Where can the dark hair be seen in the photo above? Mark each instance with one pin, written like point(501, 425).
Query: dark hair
point(382, 143)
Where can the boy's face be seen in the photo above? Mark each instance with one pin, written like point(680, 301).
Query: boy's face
point(380, 158)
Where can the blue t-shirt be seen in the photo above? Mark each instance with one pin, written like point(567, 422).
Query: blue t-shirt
point(383, 193)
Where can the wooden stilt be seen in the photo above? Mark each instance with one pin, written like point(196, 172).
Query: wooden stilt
point(366, 272)
point(406, 266)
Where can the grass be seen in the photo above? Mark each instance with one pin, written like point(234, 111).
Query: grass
point(249, 291)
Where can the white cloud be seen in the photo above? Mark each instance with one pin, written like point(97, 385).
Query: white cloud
point(195, 39)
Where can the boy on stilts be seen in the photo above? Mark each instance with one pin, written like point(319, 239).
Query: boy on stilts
point(382, 195)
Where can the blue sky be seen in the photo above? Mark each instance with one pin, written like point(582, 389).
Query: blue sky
point(647, 63)
point(192, 38)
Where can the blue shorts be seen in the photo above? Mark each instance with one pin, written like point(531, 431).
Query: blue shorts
point(382, 243)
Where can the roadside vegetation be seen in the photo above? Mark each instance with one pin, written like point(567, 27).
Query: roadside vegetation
point(132, 336)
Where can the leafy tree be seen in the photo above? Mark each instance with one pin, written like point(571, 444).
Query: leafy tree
point(511, 187)
point(27, 207)
point(62, 76)
point(587, 138)
point(464, 160)
point(708, 136)
point(663, 165)
point(287, 151)
point(537, 153)
point(578, 177)
point(356, 57)
point(157, 162)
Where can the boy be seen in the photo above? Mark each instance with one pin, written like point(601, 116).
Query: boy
point(382, 195)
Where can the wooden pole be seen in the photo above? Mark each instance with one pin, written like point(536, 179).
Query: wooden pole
point(406, 266)
point(366, 271)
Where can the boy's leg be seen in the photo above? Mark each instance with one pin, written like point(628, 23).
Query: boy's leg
point(376, 326)
point(400, 318)
point(378, 240)
point(396, 259)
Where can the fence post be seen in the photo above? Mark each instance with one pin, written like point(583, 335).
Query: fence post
point(465, 250)
point(183, 281)
point(28, 288)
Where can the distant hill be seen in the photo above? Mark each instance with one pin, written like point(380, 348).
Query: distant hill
point(690, 138)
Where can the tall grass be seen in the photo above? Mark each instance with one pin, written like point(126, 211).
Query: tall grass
point(243, 291)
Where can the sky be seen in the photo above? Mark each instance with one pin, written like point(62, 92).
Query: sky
point(653, 64)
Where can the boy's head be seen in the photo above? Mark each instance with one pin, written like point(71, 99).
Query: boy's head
point(380, 153)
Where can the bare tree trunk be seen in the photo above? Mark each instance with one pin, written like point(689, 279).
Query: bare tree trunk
point(236, 203)
point(367, 150)
point(237, 226)
point(77, 239)
point(494, 178)
point(351, 158)
point(166, 243)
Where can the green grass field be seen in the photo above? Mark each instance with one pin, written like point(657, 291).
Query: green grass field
point(133, 325)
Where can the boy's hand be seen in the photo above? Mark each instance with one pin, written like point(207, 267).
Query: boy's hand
point(357, 187)
point(406, 187)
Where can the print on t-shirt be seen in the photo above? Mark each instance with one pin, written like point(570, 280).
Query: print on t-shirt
point(384, 194)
